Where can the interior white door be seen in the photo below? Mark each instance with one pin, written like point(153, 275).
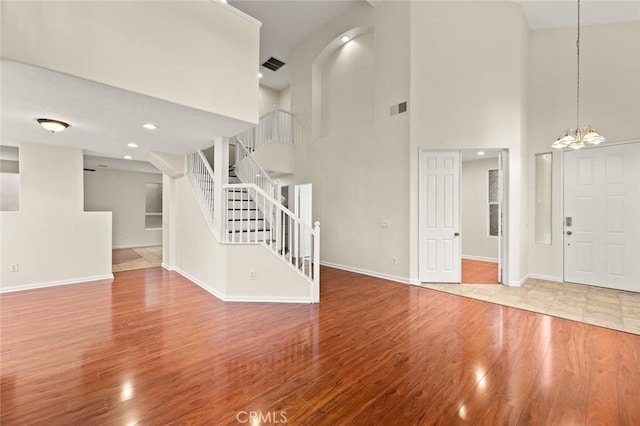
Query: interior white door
point(602, 211)
point(439, 217)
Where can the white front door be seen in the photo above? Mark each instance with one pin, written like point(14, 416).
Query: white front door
point(602, 215)
point(439, 218)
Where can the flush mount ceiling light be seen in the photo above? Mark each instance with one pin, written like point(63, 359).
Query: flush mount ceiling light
point(132, 145)
point(149, 126)
point(344, 39)
point(578, 138)
point(54, 126)
point(480, 153)
point(127, 157)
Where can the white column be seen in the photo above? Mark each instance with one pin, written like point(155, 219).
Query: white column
point(221, 178)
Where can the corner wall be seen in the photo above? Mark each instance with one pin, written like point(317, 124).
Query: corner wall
point(359, 174)
point(609, 101)
point(468, 90)
point(51, 238)
point(122, 193)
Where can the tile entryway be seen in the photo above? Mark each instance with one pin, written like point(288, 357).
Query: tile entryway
point(136, 258)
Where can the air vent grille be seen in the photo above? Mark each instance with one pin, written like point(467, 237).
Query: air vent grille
point(273, 64)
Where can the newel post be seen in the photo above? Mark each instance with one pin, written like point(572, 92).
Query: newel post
point(316, 263)
point(221, 178)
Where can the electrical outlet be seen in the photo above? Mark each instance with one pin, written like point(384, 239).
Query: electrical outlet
point(14, 267)
point(394, 260)
point(252, 274)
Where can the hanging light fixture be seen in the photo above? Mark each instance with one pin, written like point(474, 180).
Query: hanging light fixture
point(53, 126)
point(578, 138)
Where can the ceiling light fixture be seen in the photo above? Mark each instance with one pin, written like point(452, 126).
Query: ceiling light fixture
point(578, 138)
point(132, 145)
point(344, 39)
point(480, 153)
point(128, 157)
point(54, 126)
point(149, 126)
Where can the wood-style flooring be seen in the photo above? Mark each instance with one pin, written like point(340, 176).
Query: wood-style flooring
point(152, 348)
point(479, 272)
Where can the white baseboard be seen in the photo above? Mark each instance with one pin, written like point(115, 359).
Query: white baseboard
point(415, 281)
point(46, 284)
point(167, 267)
point(546, 278)
point(126, 246)
point(519, 282)
point(225, 298)
point(367, 272)
point(484, 259)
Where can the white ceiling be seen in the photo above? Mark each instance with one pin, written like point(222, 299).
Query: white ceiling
point(103, 119)
point(287, 23)
point(284, 25)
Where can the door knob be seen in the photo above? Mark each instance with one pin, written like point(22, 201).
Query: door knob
point(457, 234)
point(569, 232)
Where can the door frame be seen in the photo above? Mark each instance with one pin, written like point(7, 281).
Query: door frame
point(503, 183)
point(562, 199)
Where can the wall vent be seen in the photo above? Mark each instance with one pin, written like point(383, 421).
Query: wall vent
point(398, 108)
point(273, 64)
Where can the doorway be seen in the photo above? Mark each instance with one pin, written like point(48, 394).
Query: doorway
point(462, 227)
point(601, 211)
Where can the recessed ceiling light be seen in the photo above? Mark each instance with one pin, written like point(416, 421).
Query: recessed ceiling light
point(53, 126)
point(132, 145)
point(344, 39)
point(127, 157)
point(223, 1)
point(149, 126)
point(480, 152)
point(259, 75)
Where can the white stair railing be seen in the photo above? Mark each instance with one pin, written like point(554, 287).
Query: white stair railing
point(254, 216)
point(276, 125)
point(249, 171)
point(250, 215)
point(200, 175)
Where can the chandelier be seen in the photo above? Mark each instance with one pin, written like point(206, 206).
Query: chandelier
point(579, 137)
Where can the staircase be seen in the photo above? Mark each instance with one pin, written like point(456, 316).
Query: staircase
point(244, 207)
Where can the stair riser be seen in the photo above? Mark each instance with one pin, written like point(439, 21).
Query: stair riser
point(243, 214)
point(246, 225)
point(248, 237)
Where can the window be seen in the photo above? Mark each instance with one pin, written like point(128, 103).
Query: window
point(9, 179)
point(494, 204)
point(153, 206)
point(543, 198)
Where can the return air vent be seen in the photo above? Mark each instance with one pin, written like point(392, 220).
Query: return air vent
point(273, 64)
point(398, 108)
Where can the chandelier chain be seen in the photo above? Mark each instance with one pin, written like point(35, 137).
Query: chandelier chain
point(578, 73)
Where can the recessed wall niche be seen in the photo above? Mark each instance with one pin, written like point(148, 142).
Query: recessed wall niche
point(347, 86)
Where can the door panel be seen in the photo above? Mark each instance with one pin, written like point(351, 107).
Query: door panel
point(602, 197)
point(439, 216)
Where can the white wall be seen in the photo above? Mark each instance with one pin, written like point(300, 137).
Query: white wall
point(468, 80)
point(610, 101)
point(268, 100)
point(123, 194)
point(359, 175)
point(347, 86)
point(200, 54)
point(474, 195)
point(285, 99)
point(51, 238)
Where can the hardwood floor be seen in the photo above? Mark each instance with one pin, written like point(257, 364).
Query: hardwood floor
point(479, 272)
point(152, 348)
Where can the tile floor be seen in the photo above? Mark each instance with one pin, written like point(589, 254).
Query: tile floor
point(618, 310)
point(148, 258)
